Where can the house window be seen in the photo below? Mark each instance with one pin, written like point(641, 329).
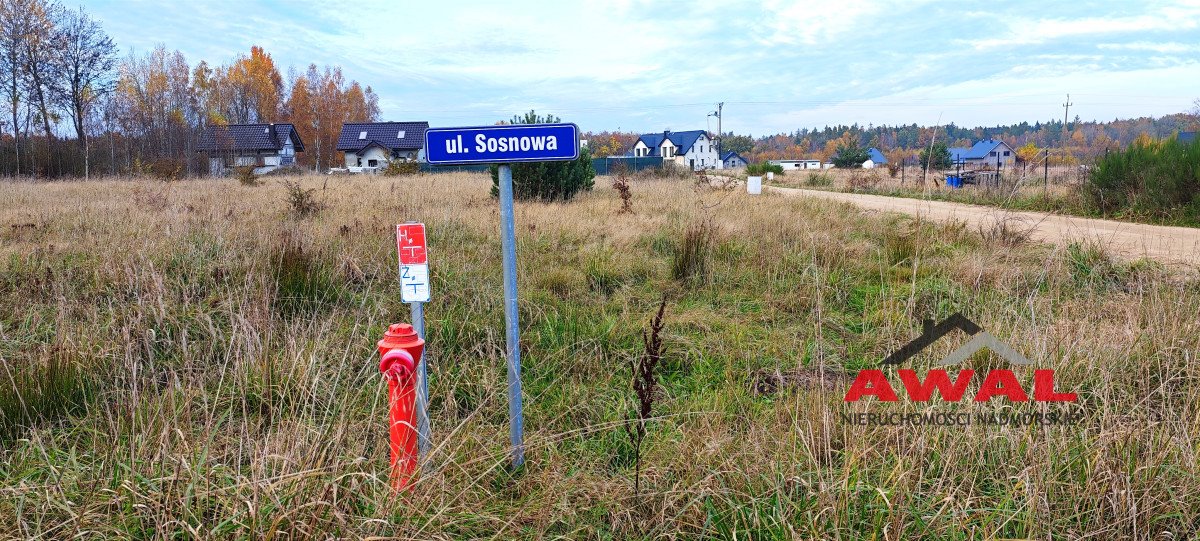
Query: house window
point(372, 163)
point(993, 153)
point(1006, 153)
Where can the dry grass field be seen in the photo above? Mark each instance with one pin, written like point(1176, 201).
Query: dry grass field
point(194, 360)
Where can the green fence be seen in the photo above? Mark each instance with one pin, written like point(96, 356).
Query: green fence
point(606, 166)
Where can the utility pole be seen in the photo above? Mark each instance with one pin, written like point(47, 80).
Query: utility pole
point(1066, 109)
point(720, 134)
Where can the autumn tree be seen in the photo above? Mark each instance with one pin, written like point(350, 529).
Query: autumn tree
point(1027, 154)
point(319, 103)
point(256, 88)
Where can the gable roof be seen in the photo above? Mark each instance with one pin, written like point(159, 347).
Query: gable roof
point(681, 139)
point(731, 154)
point(249, 137)
point(390, 135)
point(978, 151)
point(876, 156)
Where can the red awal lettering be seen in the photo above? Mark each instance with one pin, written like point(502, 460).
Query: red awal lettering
point(997, 383)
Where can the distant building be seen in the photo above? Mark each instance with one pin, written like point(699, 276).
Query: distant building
point(797, 164)
point(373, 145)
point(875, 159)
point(265, 147)
point(693, 149)
point(987, 153)
point(733, 160)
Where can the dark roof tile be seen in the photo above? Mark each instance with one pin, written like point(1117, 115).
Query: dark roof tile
point(391, 135)
point(249, 137)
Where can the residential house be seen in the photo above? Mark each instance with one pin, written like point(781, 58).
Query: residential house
point(788, 165)
point(692, 149)
point(990, 153)
point(733, 160)
point(372, 145)
point(875, 158)
point(265, 147)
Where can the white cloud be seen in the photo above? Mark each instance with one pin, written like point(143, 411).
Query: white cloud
point(1172, 47)
point(1025, 31)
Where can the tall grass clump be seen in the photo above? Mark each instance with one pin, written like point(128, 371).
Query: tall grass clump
point(42, 391)
point(1155, 179)
point(695, 249)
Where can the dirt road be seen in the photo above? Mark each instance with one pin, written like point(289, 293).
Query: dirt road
point(1173, 245)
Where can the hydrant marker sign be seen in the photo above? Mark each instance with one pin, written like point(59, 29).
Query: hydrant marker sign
point(414, 262)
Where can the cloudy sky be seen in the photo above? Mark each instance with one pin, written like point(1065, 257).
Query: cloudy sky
point(648, 65)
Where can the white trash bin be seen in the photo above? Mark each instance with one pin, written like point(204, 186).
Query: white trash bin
point(770, 175)
point(754, 185)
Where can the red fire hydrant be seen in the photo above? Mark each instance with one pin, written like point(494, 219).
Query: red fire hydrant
point(400, 351)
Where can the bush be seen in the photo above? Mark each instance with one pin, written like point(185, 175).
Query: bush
point(245, 175)
point(548, 181)
point(1159, 179)
point(819, 179)
point(165, 169)
point(302, 202)
point(759, 169)
point(397, 168)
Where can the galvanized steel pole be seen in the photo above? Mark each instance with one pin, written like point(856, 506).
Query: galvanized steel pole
point(424, 443)
point(508, 240)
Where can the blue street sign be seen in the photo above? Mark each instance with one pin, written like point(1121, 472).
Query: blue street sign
point(502, 144)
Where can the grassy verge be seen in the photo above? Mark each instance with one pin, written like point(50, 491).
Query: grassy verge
point(232, 388)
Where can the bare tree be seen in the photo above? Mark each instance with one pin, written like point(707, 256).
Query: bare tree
point(16, 18)
point(88, 58)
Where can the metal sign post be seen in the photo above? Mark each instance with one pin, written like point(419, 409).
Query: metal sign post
point(503, 145)
point(413, 255)
point(508, 248)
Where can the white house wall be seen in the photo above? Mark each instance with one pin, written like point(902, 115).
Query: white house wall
point(373, 153)
point(704, 154)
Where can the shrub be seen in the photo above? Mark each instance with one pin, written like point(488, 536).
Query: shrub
point(245, 175)
point(397, 168)
point(165, 169)
point(548, 181)
point(819, 179)
point(302, 202)
point(863, 180)
point(1160, 179)
point(621, 185)
point(759, 169)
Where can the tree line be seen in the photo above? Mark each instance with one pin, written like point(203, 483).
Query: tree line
point(1080, 141)
point(74, 107)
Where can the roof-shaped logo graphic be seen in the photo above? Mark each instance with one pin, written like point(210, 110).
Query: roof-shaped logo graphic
point(979, 339)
